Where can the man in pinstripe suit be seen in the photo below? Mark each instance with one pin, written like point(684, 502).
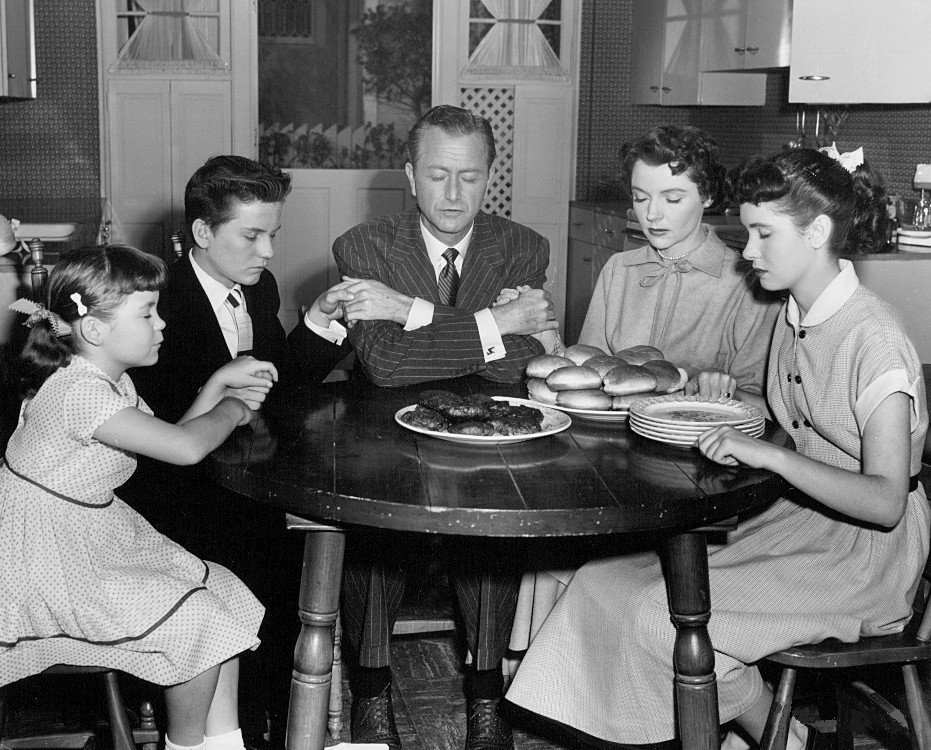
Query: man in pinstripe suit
point(424, 312)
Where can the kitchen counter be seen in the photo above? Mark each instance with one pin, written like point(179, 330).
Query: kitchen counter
point(84, 213)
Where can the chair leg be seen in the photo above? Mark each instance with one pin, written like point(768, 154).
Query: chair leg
point(147, 730)
point(776, 733)
point(917, 709)
point(335, 716)
point(119, 722)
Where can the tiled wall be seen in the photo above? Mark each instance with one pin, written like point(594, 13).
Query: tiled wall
point(49, 146)
point(894, 137)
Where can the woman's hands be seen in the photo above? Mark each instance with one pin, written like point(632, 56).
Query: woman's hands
point(728, 446)
point(712, 384)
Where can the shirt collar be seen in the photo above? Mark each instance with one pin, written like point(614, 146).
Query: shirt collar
point(435, 248)
point(708, 257)
point(215, 291)
point(831, 299)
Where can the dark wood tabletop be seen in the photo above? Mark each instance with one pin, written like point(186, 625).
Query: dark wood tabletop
point(336, 456)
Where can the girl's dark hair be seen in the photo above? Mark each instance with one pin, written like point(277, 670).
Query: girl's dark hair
point(804, 184)
point(103, 276)
point(685, 149)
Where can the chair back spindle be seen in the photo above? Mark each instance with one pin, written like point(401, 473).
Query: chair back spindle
point(39, 275)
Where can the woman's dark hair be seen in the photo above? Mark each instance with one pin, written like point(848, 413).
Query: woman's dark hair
point(804, 184)
point(103, 276)
point(685, 149)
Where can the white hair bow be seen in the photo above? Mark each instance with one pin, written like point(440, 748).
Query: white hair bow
point(849, 160)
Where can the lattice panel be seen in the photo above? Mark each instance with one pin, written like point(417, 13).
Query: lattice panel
point(497, 106)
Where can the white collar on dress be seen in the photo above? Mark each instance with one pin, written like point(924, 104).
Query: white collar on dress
point(831, 299)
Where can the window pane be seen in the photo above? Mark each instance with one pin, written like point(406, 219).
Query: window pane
point(341, 81)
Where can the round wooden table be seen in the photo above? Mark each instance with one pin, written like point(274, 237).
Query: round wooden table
point(336, 456)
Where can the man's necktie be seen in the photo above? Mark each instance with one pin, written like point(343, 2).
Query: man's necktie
point(448, 283)
point(242, 320)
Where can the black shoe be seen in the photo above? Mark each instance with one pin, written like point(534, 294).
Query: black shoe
point(486, 728)
point(373, 720)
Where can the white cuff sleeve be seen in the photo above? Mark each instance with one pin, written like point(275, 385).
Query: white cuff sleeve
point(489, 335)
point(421, 315)
point(886, 384)
point(335, 333)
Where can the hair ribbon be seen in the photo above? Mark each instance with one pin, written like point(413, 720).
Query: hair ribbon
point(849, 160)
point(37, 312)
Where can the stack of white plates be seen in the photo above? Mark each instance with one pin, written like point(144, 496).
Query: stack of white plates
point(679, 419)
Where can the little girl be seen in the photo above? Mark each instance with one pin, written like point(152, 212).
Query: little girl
point(839, 558)
point(85, 580)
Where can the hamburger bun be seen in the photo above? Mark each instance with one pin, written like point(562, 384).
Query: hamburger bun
point(538, 390)
point(666, 373)
point(625, 379)
point(579, 353)
point(575, 378)
point(543, 364)
point(587, 399)
point(603, 364)
point(638, 355)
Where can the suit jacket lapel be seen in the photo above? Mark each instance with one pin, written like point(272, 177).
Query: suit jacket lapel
point(482, 270)
point(409, 264)
point(201, 317)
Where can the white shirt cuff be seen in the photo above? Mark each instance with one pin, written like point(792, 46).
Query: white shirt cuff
point(489, 335)
point(421, 315)
point(335, 333)
point(894, 381)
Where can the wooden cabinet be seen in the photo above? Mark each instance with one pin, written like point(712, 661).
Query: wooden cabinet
point(17, 49)
point(666, 55)
point(745, 34)
point(869, 51)
point(594, 236)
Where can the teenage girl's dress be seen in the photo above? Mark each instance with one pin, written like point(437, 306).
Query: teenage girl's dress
point(84, 579)
point(795, 573)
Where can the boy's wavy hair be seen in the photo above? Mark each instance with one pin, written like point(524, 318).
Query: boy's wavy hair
point(103, 276)
point(804, 184)
point(685, 149)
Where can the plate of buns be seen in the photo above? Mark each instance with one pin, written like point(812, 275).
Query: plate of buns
point(600, 387)
point(478, 419)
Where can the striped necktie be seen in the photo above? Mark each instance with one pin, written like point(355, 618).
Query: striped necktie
point(242, 320)
point(448, 283)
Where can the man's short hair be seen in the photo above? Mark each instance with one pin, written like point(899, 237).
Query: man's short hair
point(453, 121)
point(212, 189)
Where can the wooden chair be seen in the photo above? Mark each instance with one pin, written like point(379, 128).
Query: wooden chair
point(123, 735)
point(907, 650)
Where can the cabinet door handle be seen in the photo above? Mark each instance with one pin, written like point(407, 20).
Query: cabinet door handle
point(654, 88)
point(739, 50)
point(753, 50)
point(609, 231)
point(666, 88)
point(814, 78)
point(11, 75)
point(587, 260)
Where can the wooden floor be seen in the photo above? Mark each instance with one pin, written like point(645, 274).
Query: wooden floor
point(430, 707)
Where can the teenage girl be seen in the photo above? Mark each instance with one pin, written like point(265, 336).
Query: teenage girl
point(839, 558)
point(85, 580)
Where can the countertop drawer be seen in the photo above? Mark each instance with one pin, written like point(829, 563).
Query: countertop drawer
point(609, 231)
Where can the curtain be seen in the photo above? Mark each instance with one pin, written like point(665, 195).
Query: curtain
point(515, 42)
point(167, 37)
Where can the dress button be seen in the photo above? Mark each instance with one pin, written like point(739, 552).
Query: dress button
point(801, 334)
point(798, 378)
point(789, 377)
point(807, 423)
point(795, 423)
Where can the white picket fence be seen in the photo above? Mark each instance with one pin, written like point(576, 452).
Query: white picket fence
point(331, 147)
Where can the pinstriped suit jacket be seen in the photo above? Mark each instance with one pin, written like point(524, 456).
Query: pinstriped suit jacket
point(391, 249)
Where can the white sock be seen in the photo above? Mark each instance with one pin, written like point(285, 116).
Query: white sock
point(226, 741)
point(734, 741)
point(169, 745)
point(798, 735)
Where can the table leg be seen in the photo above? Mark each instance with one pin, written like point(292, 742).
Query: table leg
point(318, 608)
point(693, 656)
